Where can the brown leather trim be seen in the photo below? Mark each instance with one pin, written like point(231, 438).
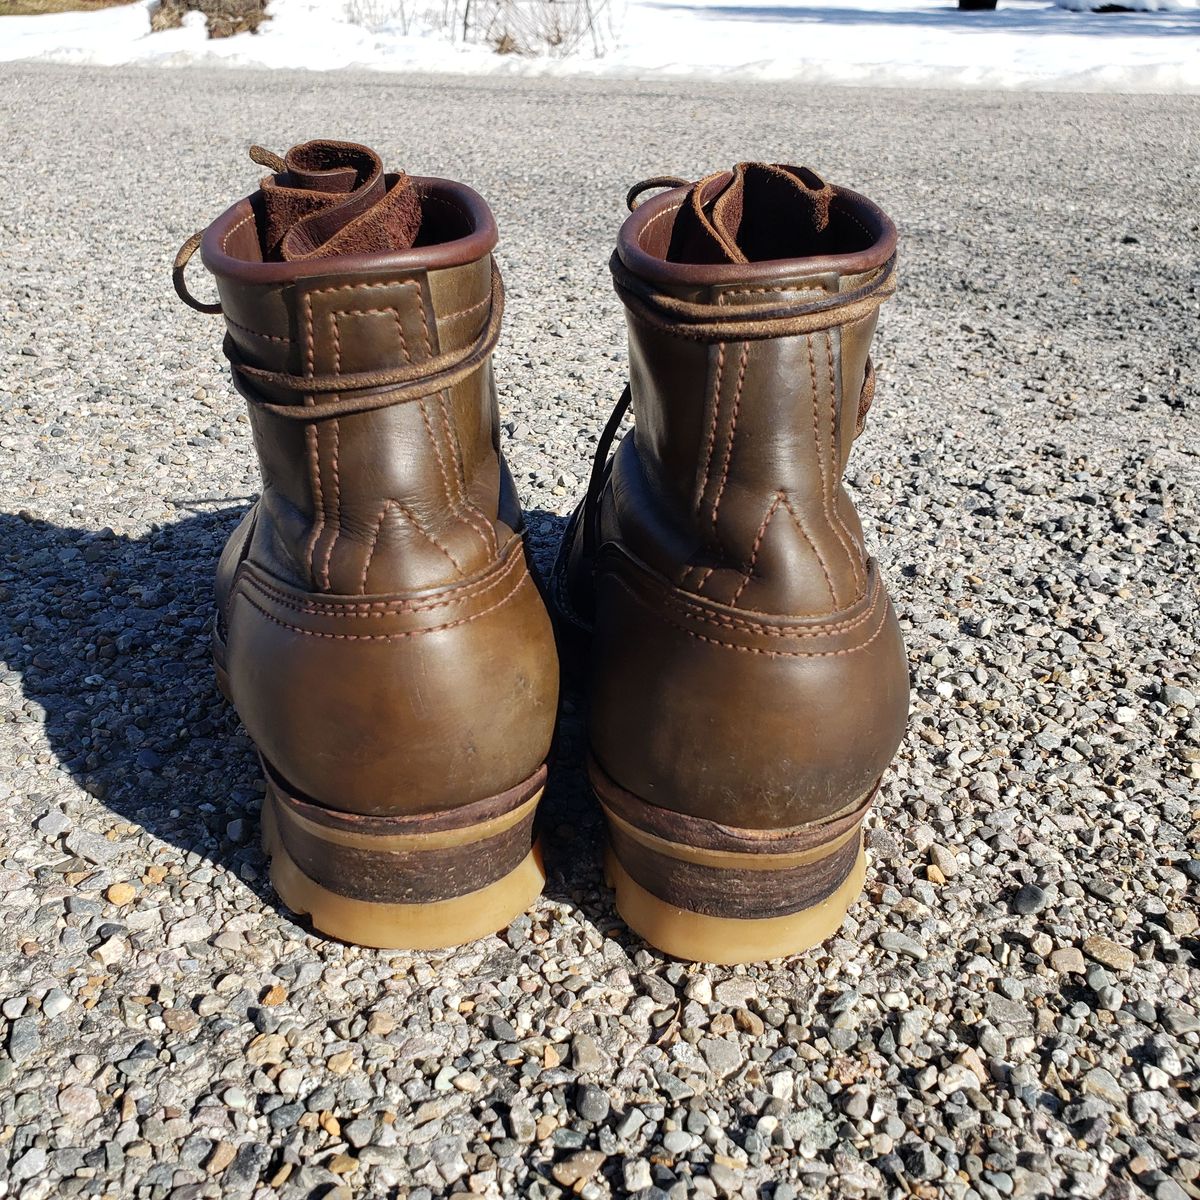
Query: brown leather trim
point(669, 274)
point(419, 858)
point(712, 835)
point(420, 258)
point(741, 894)
point(409, 824)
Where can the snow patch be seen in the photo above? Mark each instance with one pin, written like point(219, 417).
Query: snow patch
point(910, 43)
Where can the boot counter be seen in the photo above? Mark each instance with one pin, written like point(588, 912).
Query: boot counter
point(763, 723)
point(393, 706)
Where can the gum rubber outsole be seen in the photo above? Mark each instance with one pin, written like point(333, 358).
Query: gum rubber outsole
point(430, 925)
point(697, 937)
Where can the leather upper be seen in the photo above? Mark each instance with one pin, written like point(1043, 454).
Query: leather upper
point(747, 664)
point(385, 645)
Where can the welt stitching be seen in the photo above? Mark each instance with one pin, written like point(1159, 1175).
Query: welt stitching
point(386, 637)
point(712, 429)
point(757, 628)
point(820, 452)
point(733, 420)
point(840, 527)
point(758, 649)
point(758, 537)
point(233, 229)
point(820, 557)
point(380, 608)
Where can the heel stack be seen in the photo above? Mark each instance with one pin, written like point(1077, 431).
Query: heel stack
point(709, 892)
point(419, 882)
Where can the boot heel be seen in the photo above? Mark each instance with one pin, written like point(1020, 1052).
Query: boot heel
point(420, 882)
point(715, 893)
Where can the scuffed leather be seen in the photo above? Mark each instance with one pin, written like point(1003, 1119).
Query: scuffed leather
point(384, 643)
point(747, 665)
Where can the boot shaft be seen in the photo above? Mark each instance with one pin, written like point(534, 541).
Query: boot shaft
point(741, 432)
point(391, 497)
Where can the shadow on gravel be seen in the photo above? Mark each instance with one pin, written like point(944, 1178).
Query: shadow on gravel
point(109, 637)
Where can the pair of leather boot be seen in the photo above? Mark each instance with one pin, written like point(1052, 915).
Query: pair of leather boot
point(380, 632)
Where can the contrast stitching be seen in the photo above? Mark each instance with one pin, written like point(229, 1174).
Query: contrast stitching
point(808, 538)
point(812, 374)
point(733, 420)
point(386, 637)
point(408, 514)
point(462, 312)
point(380, 608)
point(719, 620)
point(840, 526)
point(231, 231)
point(270, 337)
point(313, 443)
point(460, 504)
point(712, 429)
point(761, 291)
point(758, 649)
point(762, 530)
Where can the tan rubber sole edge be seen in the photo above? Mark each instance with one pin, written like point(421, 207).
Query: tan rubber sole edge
point(697, 937)
point(436, 925)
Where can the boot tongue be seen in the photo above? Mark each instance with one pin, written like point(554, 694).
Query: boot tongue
point(334, 198)
point(757, 212)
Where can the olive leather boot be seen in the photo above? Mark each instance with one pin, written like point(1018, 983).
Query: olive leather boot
point(748, 682)
point(377, 627)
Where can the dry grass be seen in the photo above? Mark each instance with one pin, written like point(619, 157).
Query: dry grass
point(35, 8)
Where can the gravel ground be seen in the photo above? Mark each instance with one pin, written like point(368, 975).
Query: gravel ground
point(1011, 1011)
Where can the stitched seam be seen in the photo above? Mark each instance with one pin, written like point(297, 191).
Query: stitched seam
point(712, 429)
point(820, 557)
point(840, 526)
point(733, 419)
point(313, 444)
point(381, 608)
point(849, 216)
point(762, 530)
point(460, 504)
point(270, 337)
point(691, 613)
point(812, 374)
point(386, 637)
point(470, 511)
point(654, 220)
point(761, 291)
point(462, 312)
point(233, 229)
point(758, 649)
point(408, 514)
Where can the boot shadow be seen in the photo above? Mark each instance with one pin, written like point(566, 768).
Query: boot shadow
point(109, 636)
point(572, 828)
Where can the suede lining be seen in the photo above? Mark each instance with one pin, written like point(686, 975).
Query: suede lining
point(759, 213)
point(334, 198)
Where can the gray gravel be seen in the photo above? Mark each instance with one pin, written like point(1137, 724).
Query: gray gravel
point(1013, 1009)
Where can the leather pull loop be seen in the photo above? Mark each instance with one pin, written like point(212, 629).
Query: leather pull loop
point(382, 388)
point(591, 504)
point(648, 185)
point(177, 276)
point(269, 159)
